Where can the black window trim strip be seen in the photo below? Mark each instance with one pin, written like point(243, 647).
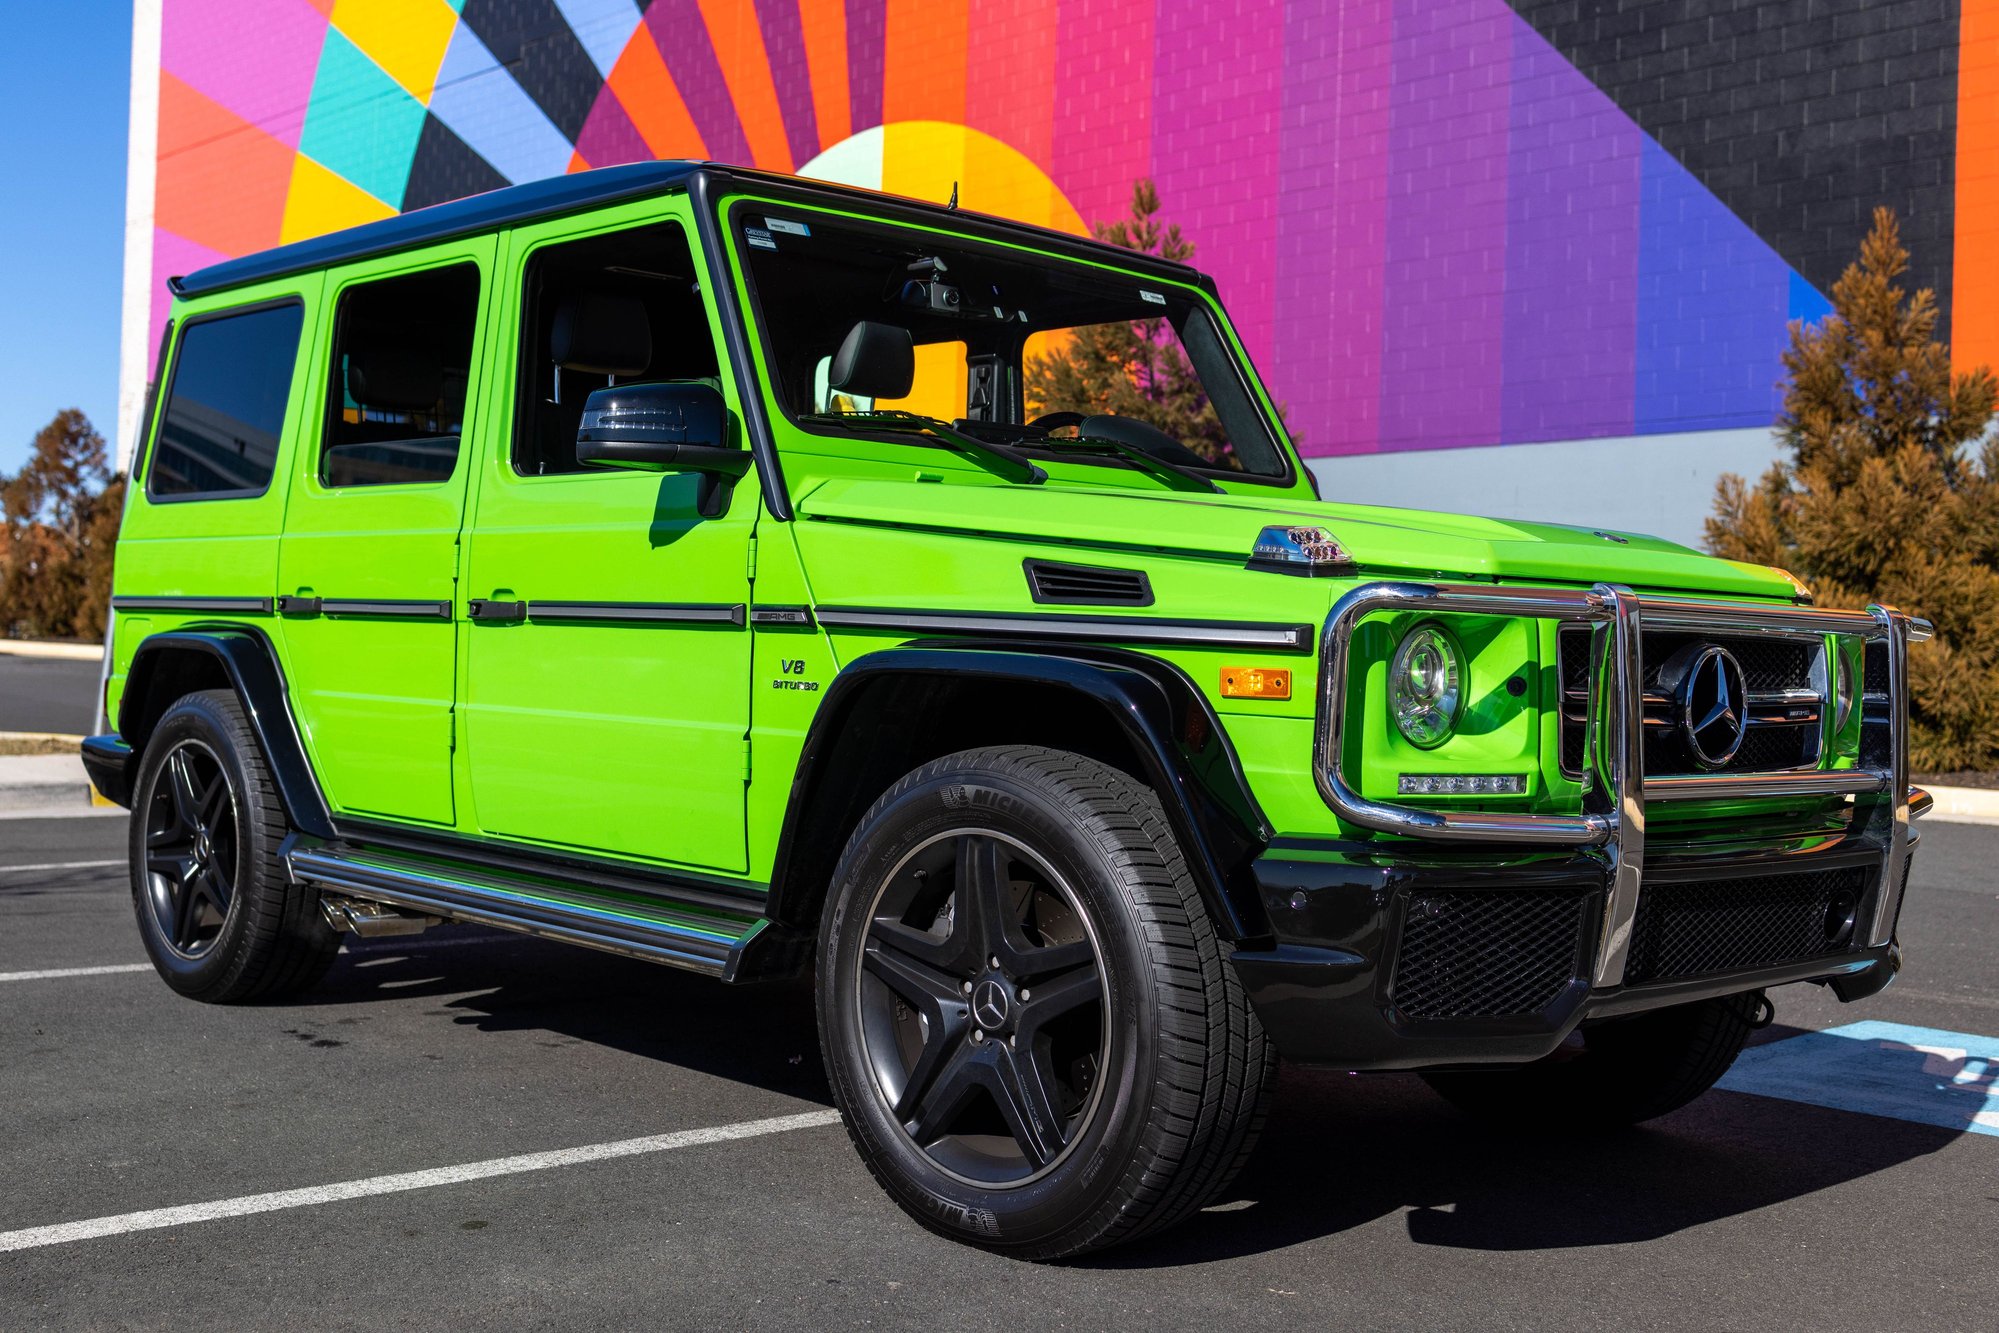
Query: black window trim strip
point(641, 613)
point(260, 606)
point(1239, 634)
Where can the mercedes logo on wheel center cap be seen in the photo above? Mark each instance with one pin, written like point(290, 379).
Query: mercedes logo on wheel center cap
point(1713, 706)
point(991, 1004)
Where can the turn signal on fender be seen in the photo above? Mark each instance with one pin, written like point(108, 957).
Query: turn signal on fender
point(1243, 682)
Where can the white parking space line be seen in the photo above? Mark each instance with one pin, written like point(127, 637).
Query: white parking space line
point(53, 973)
point(62, 865)
point(63, 1233)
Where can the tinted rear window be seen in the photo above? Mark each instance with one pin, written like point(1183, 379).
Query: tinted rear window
point(226, 404)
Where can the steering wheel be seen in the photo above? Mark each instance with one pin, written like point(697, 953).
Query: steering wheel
point(1052, 421)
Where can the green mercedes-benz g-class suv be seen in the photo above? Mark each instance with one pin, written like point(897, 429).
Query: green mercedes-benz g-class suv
point(764, 577)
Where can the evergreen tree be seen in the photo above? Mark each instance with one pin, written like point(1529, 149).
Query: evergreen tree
point(1890, 493)
point(1134, 369)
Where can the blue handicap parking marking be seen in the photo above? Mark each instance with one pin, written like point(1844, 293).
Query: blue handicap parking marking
point(1924, 1075)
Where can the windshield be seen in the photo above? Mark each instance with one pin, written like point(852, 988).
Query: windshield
point(869, 326)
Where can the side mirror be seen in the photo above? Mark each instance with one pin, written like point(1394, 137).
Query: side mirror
point(675, 426)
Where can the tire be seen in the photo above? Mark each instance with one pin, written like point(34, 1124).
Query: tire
point(1627, 1070)
point(1123, 1097)
point(220, 917)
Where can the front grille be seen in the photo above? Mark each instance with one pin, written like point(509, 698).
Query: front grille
point(1479, 953)
point(1086, 585)
point(1738, 925)
point(1770, 666)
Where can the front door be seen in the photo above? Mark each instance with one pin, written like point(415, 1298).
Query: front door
point(606, 695)
point(368, 564)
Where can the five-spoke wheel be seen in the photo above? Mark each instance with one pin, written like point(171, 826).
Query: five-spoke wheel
point(981, 1003)
point(1030, 1025)
point(191, 849)
point(218, 913)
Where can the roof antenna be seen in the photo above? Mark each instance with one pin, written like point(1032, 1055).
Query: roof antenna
point(954, 196)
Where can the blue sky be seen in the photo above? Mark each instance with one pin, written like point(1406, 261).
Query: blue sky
point(65, 71)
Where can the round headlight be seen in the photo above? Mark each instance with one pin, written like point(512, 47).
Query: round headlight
point(1425, 686)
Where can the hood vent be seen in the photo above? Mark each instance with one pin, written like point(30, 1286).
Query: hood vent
point(1086, 585)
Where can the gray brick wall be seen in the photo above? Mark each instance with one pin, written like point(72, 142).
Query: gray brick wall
point(1801, 115)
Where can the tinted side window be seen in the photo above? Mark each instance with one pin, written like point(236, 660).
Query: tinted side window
point(226, 405)
point(402, 358)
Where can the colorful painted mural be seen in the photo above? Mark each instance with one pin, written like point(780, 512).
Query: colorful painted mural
point(1433, 227)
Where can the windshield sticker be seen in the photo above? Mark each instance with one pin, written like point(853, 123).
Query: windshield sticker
point(788, 228)
point(1154, 297)
point(759, 238)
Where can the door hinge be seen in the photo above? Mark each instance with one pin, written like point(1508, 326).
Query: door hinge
point(753, 559)
point(746, 759)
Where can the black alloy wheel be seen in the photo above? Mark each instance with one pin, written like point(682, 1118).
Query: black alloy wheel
point(191, 849)
point(1032, 1029)
point(218, 913)
point(982, 1006)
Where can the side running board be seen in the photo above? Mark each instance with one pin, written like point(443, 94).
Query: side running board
point(711, 937)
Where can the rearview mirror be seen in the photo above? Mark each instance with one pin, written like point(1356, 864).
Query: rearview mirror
point(673, 426)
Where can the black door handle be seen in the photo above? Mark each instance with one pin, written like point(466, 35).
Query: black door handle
point(486, 609)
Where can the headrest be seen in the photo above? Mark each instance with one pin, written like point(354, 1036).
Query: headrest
point(601, 334)
point(874, 361)
point(393, 376)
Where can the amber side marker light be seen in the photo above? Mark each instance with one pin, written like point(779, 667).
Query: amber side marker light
point(1243, 682)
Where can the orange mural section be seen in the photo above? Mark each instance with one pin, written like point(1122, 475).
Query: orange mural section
point(644, 86)
point(923, 66)
point(222, 181)
point(739, 48)
point(1975, 281)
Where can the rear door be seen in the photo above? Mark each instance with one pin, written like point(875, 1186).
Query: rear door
point(606, 697)
point(367, 571)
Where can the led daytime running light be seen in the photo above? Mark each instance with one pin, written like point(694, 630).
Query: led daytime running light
point(1462, 784)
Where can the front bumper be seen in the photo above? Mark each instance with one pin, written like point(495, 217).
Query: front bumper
point(1381, 944)
point(1385, 955)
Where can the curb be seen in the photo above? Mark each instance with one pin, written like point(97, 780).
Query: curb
point(44, 782)
point(73, 652)
point(1963, 805)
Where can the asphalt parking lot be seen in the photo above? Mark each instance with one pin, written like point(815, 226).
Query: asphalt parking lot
point(1371, 1204)
point(47, 694)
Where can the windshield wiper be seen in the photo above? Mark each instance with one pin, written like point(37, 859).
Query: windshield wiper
point(1175, 476)
point(999, 458)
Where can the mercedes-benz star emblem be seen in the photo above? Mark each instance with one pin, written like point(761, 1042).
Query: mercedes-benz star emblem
point(989, 1004)
point(1713, 707)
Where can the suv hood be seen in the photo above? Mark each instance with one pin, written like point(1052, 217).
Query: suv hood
point(1382, 541)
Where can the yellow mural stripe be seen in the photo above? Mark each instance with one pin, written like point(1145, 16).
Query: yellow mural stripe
point(407, 38)
point(320, 201)
point(825, 24)
point(739, 49)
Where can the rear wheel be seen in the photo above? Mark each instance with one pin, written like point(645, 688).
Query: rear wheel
point(1031, 1027)
point(219, 916)
point(1615, 1073)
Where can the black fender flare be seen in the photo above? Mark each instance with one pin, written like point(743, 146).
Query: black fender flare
point(1184, 753)
point(248, 660)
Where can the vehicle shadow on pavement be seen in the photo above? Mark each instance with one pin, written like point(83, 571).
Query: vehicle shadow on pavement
point(1343, 1150)
point(760, 1035)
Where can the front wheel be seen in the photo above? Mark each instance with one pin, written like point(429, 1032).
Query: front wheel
point(1615, 1073)
point(1031, 1027)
